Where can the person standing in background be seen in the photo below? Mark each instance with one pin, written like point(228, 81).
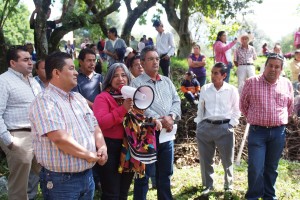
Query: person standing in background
point(220, 47)
point(244, 57)
point(297, 39)
point(165, 47)
point(197, 62)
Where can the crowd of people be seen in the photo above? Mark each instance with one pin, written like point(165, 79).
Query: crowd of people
point(78, 127)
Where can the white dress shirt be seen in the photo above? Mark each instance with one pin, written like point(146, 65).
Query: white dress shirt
point(218, 104)
point(165, 44)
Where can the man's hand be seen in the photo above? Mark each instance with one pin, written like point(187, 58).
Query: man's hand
point(92, 157)
point(102, 155)
point(167, 123)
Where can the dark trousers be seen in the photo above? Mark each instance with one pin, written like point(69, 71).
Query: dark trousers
point(164, 64)
point(115, 186)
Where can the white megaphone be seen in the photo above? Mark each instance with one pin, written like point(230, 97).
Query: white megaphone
point(142, 96)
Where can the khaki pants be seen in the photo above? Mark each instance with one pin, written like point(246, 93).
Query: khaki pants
point(20, 160)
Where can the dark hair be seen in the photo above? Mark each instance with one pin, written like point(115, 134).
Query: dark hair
point(275, 56)
point(131, 60)
point(38, 63)
point(156, 23)
point(220, 33)
point(55, 60)
point(146, 50)
point(113, 30)
point(111, 71)
point(142, 39)
point(85, 51)
point(13, 53)
point(221, 66)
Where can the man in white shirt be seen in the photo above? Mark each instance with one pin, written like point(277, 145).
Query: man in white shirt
point(18, 90)
point(165, 47)
point(218, 112)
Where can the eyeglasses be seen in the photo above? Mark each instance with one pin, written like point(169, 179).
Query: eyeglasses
point(152, 59)
point(275, 56)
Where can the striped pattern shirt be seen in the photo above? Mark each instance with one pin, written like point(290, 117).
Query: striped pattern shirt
point(266, 104)
point(166, 100)
point(245, 56)
point(17, 93)
point(54, 110)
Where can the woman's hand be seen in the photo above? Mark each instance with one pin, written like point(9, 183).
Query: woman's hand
point(158, 125)
point(128, 104)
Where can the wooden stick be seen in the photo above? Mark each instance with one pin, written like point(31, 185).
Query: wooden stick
point(238, 158)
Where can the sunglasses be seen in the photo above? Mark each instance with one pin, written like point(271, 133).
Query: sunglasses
point(275, 56)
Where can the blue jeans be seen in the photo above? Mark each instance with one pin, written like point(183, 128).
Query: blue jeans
point(265, 146)
point(141, 186)
point(67, 186)
point(229, 66)
point(164, 171)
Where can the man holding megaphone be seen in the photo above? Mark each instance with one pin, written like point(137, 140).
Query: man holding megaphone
point(165, 106)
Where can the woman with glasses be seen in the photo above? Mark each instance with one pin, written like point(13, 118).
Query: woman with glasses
point(222, 53)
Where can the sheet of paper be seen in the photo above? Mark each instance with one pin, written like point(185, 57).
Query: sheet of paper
point(167, 136)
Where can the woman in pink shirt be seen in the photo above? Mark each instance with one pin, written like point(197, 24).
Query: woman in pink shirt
point(220, 47)
point(109, 109)
point(297, 39)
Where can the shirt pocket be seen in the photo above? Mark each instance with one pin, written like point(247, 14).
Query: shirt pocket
point(282, 99)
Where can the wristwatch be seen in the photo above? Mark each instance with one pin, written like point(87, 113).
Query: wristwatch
point(173, 116)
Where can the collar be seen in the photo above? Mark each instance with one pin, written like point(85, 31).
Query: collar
point(149, 79)
point(225, 86)
point(80, 72)
point(18, 74)
point(60, 92)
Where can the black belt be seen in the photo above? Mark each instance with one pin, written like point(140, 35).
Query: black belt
point(163, 55)
point(224, 121)
point(246, 64)
point(20, 129)
point(266, 127)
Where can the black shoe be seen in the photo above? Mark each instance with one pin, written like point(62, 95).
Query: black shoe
point(207, 190)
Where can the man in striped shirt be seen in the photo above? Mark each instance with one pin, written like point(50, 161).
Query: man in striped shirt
point(68, 140)
point(18, 90)
point(165, 106)
point(267, 101)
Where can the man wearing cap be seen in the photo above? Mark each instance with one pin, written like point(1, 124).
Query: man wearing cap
point(218, 112)
point(244, 57)
point(165, 47)
point(18, 90)
point(266, 101)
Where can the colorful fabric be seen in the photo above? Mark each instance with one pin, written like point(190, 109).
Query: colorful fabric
point(139, 145)
point(266, 104)
point(52, 110)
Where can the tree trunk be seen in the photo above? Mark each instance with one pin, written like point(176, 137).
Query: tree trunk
point(180, 25)
point(40, 39)
point(3, 50)
point(133, 15)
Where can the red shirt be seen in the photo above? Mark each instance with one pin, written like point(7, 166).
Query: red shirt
point(109, 115)
point(266, 104)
